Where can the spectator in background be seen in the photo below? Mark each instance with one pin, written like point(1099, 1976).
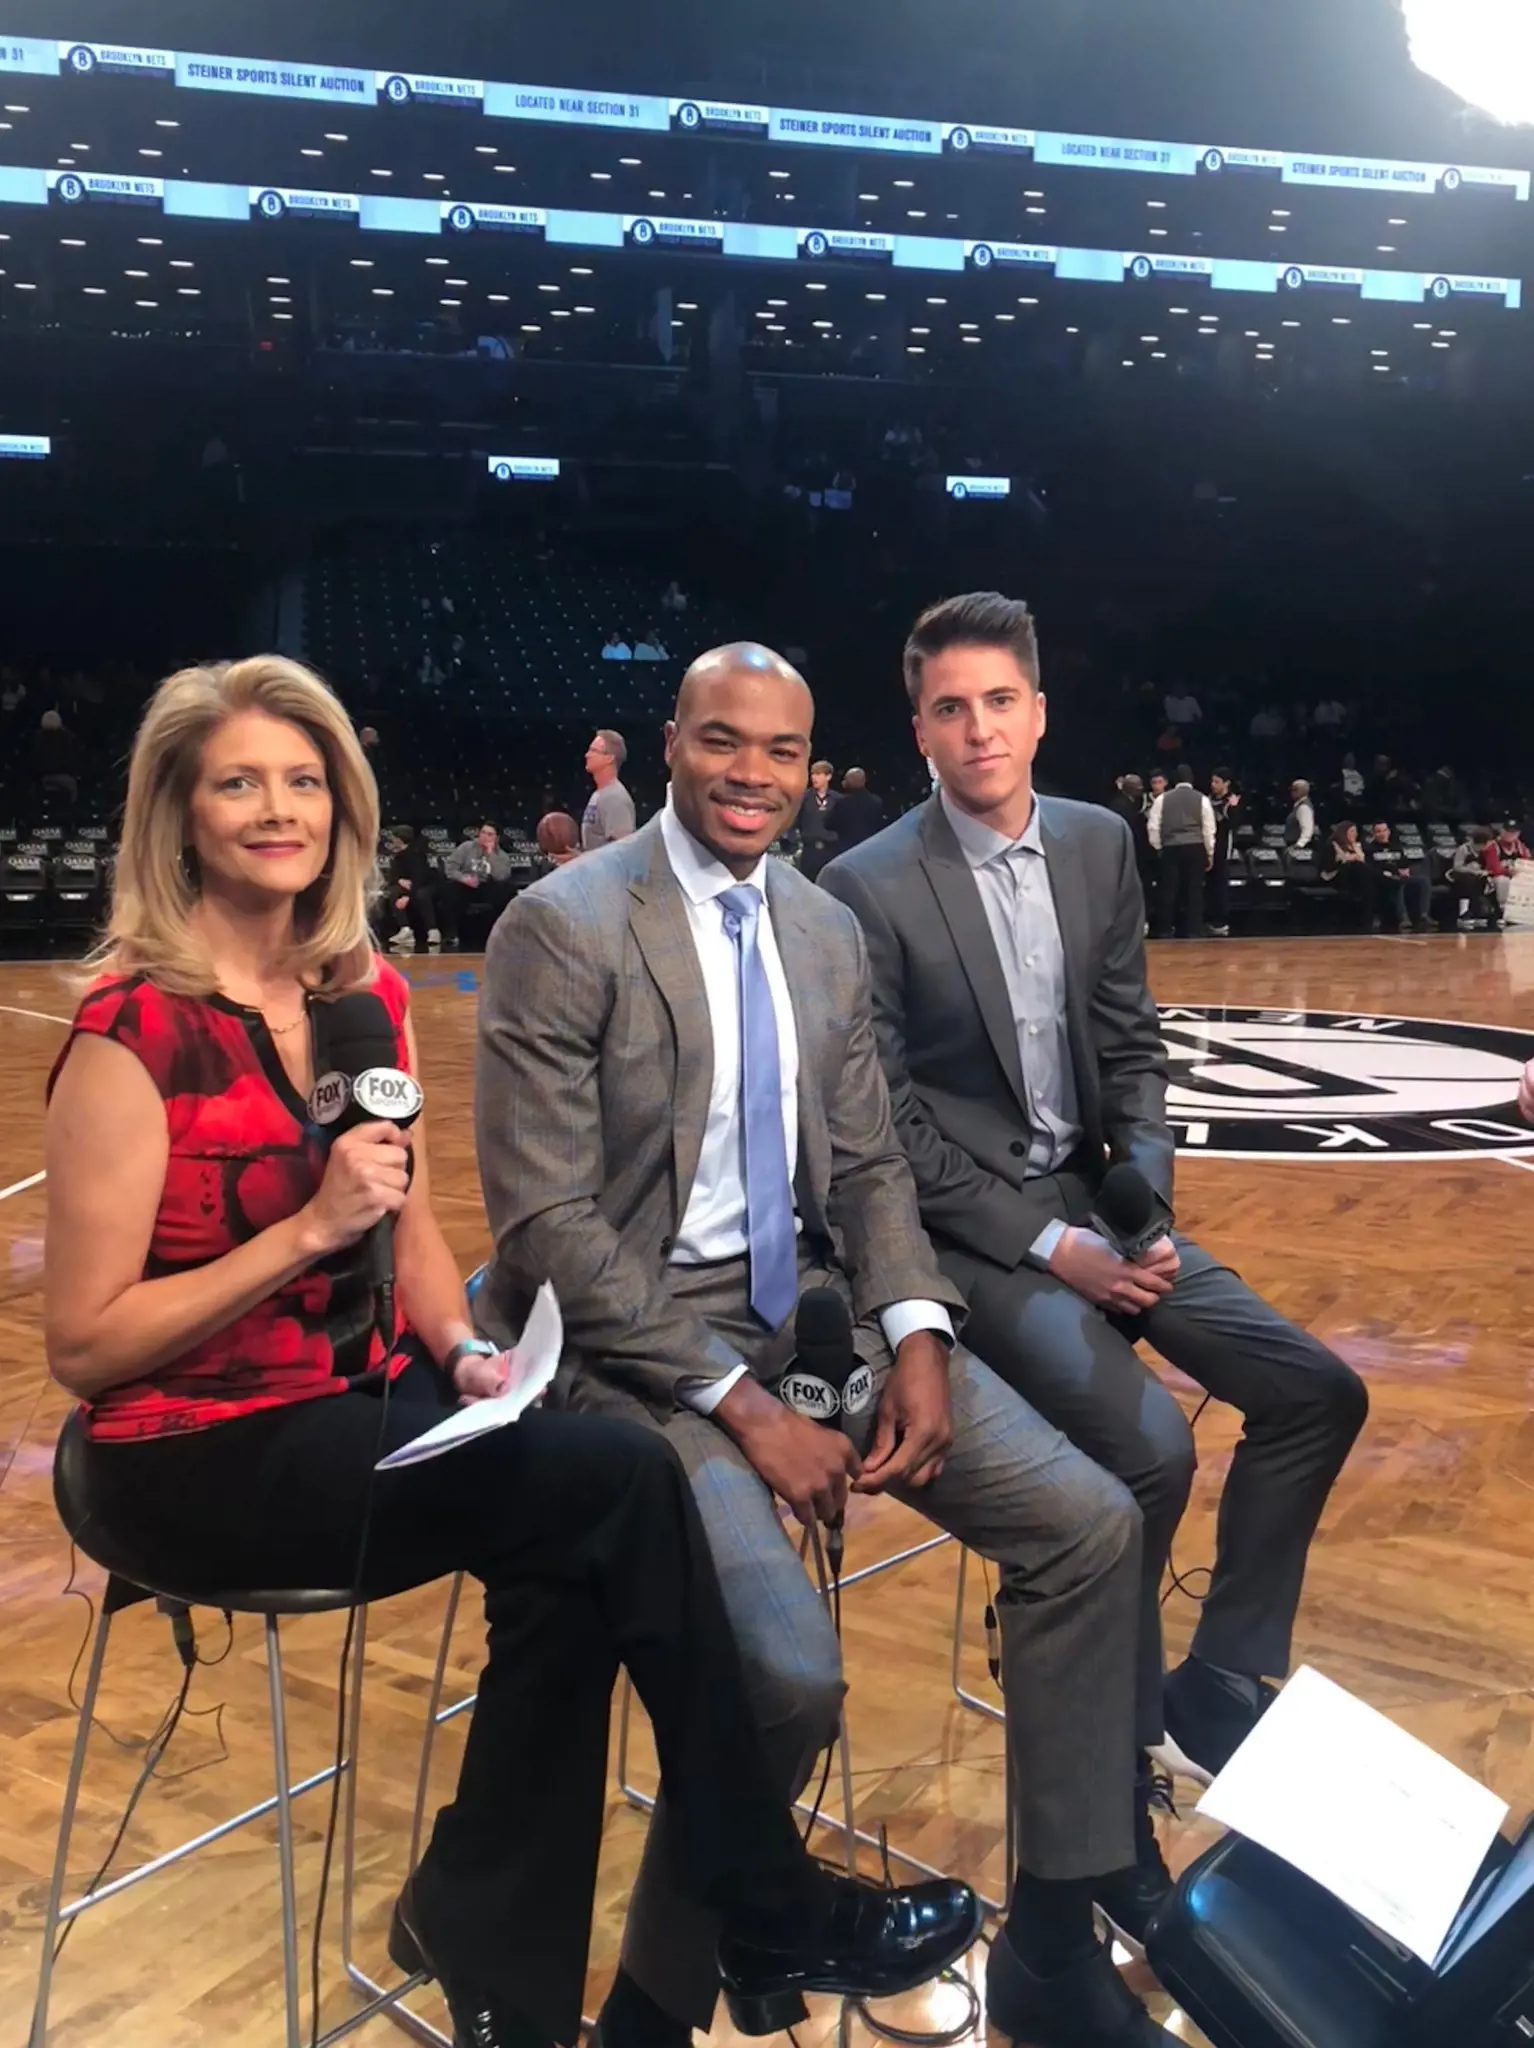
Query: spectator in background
point(476, 885)
point(371, 748)
point(56, 758)
point(1330, 715)
point(1351, 779)
point(1267, 723)
point(13, 692)
point(1158, 787)
point(609, 813)
point(1225, 802)
point(1183, 710)
point(1169, 743)
point(1504, 851)
point(1443, 796)
point(673, 598)
point(409, 890)
point(649, 647)
point(1471, 880)
point(1400, 896)
point(1300, 825)
point(1344, 861)
point(859, 812)
point(817, 814)
point(1132, 805)
point(1180, 828)
point(1390, 790)
point(617, 649)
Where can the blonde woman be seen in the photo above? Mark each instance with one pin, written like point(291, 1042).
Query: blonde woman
point(205, 1299)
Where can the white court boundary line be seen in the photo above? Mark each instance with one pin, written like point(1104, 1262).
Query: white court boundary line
point(19, 1187)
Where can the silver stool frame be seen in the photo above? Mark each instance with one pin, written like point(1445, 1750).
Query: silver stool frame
point(381, 1999)
point(853, 1835)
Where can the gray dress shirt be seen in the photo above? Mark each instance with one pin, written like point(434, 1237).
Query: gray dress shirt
point(1012, 876)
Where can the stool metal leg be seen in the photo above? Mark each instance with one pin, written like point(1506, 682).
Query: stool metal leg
point(389, 2001)
point(968, 1699)
point(51, 1919)
point(284, 1833)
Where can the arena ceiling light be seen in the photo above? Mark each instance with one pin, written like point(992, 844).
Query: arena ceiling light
point(876, 298)
point(868, 198)
point(1481, 49)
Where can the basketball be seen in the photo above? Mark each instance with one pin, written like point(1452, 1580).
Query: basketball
point(557, 833)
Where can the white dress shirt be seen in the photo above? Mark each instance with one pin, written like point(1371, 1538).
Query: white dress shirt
point(714, 1224)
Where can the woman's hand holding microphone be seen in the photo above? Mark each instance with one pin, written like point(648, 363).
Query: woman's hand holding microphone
point(367, 1177)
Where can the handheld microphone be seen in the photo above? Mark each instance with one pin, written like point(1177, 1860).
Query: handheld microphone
point(365, 1084)
point(827, 1380)
point(1129, 1213)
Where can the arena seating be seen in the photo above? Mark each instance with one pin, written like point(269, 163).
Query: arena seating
point(481, 660)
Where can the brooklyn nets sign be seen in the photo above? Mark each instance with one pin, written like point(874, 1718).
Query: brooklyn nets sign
point(1329, 1084)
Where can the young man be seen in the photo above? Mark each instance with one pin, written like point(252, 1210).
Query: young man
point(1399, 894)
point(476, 886)
point(1225, 802)
point(1023, 1052)
point(609, 812)
point(682, 1124)
point(817, 828)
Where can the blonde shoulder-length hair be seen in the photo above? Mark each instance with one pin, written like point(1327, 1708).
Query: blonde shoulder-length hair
point(150, 930)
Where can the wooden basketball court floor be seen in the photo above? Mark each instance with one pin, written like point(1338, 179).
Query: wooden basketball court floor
point(1419, 1270)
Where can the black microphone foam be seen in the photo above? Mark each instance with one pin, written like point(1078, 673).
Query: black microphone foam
point(356, 1037)
point(827, 1379)
point(1126, 1199)
point(364, 1083)
point(1128, 1210)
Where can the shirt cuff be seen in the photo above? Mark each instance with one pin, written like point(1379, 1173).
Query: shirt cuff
point(1042, 1250)
point(704, 1396)
point(903, 1319)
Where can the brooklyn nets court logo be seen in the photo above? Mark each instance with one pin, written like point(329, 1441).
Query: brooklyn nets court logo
point(1329, 1084)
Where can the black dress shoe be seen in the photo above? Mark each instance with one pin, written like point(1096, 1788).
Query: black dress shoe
point(1087, 2005)
point(480, 2018)
point(870, 1943)
point(1206, 1722)
point(1127, 1898)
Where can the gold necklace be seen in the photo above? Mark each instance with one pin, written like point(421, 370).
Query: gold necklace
point(281, 1030)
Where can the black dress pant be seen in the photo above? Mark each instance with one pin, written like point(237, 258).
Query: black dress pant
point(1302, 1407)
point(1180, 899)
point(584, 1534)
point(465, 915)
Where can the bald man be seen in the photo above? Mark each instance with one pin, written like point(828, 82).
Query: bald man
point(683, 1124)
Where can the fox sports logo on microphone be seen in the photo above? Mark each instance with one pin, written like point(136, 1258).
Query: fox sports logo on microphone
point(818, 1401)
point(387, 1092)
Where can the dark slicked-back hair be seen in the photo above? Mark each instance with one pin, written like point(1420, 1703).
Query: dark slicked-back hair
point(981, 618)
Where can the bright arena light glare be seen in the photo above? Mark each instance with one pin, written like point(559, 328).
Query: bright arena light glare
point(1481, 49)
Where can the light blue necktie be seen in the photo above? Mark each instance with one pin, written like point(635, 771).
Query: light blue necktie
point(769, 1197)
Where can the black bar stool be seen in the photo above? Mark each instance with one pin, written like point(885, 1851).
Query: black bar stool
point(123, 1590)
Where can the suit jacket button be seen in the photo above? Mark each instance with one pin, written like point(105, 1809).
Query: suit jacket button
point(1018, 1149)
point(666, 1246)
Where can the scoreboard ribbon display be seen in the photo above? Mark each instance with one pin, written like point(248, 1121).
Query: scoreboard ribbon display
point(898, 134)
point(744, 240)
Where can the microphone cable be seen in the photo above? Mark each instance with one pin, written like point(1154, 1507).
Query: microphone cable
point(1178, 1582)
point(828, 1566)
point(156, 1745)
point(383, 1326)
point(827, 1555)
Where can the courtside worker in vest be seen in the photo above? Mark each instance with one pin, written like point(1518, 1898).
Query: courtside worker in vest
point(206, 1300)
